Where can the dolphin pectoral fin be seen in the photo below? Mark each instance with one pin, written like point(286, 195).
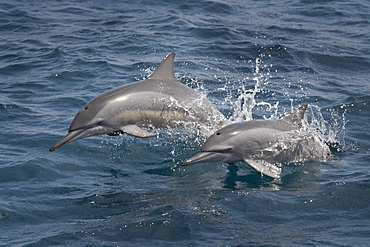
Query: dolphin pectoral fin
point(265, 167)
point(135, 130)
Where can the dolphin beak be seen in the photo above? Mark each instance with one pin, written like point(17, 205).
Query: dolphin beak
point(70, 137)
point(198, 158)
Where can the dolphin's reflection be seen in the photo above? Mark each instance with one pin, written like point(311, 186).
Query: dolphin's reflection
point(253, 180)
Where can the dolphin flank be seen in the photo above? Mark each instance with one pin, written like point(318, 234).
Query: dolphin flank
point(262, 144)
point(159, 101)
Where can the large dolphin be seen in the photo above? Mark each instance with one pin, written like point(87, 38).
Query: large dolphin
point(159, 101)
point(263, 144)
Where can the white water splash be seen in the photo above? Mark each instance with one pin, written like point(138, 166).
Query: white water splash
point(246, 101)
point(316, 135)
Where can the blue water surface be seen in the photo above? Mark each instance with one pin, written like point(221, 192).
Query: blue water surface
point(55, 56)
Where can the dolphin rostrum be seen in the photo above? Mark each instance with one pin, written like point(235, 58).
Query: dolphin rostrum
point(160, 101)
point(263, 144)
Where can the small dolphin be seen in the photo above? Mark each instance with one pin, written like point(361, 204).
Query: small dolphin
point(262, 144)
point(157, 102)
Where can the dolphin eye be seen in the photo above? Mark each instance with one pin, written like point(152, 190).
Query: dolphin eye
point(86, 107)
point(218, 133)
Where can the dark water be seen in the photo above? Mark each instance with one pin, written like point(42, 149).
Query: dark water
point(118, 191)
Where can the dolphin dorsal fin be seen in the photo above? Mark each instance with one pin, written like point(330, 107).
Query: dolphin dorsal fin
point(296, 116)
point(165, 69)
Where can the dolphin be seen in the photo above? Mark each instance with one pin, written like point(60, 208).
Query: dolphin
point(159, 101)
point(263, 144)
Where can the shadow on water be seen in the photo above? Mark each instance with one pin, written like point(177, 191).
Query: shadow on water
point(254, 180)
point(294, 176)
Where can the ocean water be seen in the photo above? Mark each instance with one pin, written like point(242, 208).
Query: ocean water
point(253, 59)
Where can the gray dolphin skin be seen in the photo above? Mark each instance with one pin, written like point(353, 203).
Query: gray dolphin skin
point(160, 101)
point(260, 143)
